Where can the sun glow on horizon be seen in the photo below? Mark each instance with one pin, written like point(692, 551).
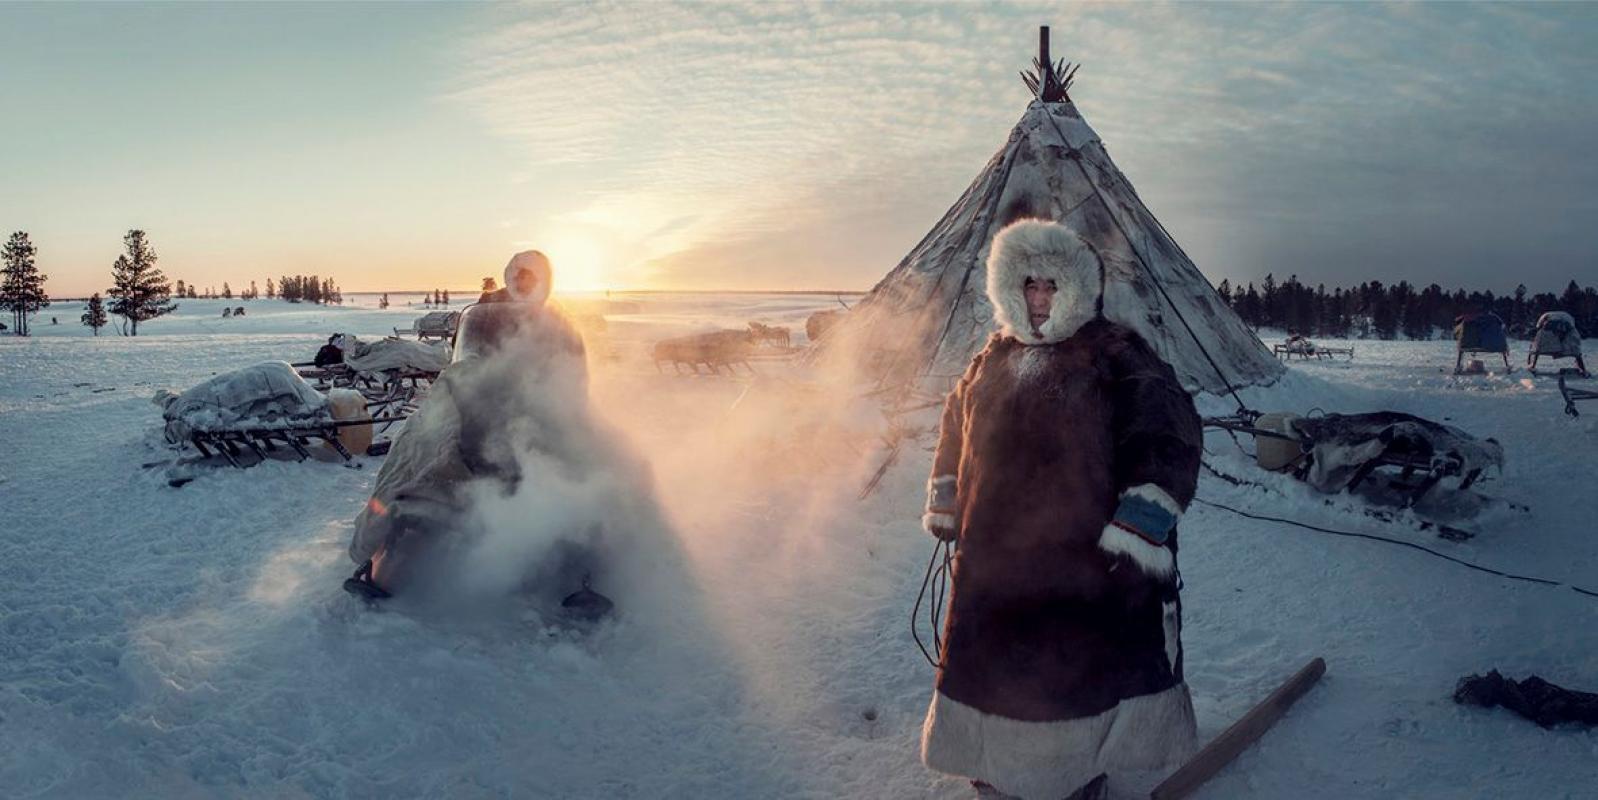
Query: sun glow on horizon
point(580, 264)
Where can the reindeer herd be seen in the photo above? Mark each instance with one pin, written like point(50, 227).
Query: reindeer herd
point(721, 349)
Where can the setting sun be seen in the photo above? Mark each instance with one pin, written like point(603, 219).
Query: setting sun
point(579, 263)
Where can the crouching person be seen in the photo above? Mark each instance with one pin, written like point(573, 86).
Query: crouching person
point(516, 390)
point(1067, 453)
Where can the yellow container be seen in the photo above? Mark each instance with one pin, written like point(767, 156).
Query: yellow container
point(1271, 452)
point(349, 406)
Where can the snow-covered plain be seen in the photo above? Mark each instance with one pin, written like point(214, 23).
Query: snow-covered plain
point(193, 642)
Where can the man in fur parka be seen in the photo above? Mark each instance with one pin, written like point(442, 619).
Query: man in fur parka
point(1068, 451)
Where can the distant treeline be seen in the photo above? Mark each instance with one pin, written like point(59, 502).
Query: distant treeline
point(1374, 310)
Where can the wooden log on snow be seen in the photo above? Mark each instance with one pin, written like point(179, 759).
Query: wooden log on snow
point(1244, 732)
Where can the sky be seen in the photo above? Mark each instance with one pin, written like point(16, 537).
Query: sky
point(783, 146)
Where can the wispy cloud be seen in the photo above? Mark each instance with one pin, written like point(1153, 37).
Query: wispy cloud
point(812, 144)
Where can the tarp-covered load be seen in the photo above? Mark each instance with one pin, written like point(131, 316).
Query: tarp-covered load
point(1556, 336)
point(1480, 331)
point(396, 356)
point(262, 395)
point(437, 325)
point(1342, 445)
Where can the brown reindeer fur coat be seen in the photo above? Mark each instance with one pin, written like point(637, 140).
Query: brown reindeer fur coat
point(1063, 657)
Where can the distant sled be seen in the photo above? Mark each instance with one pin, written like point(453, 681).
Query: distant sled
point(1479, 332)
point(1556, 337)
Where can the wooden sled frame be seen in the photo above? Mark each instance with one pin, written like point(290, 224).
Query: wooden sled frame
point(233, 443)
point(1415, 476)
point(1286, 353)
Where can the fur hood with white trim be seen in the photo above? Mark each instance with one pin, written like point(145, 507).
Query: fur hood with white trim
point(1045, 251)
point(536, 263)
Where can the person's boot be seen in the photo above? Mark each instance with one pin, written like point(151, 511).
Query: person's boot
point(1096, 789)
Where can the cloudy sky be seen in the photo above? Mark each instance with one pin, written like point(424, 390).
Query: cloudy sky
point(762, 145)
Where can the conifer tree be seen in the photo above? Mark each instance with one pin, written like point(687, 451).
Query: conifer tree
point(22, 287)
point(140, 292)
point(94, 314)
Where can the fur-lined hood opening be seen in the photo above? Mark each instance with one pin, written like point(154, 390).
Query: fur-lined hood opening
point(1046, 251)
point(536, 263)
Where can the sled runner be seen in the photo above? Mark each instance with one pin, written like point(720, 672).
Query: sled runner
point(1573, 395)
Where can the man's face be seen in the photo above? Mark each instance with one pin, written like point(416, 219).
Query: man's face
point(524, 283)
point(1039, 298)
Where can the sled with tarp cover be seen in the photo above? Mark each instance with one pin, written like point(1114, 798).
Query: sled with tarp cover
point(1386, 458)
point(1479, 332)
point(1297, 346)
point(392, 374)
point(1556, 337)
point(433, 326)
point(246, 416)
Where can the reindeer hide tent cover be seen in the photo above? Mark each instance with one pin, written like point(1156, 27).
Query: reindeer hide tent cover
point(927, 317)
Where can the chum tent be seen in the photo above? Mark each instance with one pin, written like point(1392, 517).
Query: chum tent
point(923, 321)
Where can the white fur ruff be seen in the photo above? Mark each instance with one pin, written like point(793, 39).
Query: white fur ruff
point(1156, 560)
point(932, 522)
point(536, 263)
point(1045, 251)
point(1154, 494)
point(1049, 760)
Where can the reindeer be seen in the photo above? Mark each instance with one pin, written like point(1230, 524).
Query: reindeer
point(759, 333)
point(715, 350)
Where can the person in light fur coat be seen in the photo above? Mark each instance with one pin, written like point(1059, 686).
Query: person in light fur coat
point(1068, 451)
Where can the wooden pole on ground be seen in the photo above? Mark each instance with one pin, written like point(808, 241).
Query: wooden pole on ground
point(1234, 740)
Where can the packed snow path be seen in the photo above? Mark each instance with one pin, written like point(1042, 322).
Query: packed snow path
point(194, 643)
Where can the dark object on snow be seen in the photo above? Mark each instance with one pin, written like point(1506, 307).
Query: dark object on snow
point(360, 584)
point(586, 604)
point(1480, 332)
point(1535, 699)
point(330, 354)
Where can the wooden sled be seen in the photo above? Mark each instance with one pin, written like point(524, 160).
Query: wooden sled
point(244, 447)
point(1413, 477)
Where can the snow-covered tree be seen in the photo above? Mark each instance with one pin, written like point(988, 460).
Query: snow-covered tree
point(271, 291)
point(22, 289)
point(489, 285)
point(141, 291)
point(227, 291)
point(254, 292)
point(94, 314)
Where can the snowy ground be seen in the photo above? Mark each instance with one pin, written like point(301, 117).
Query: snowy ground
point(193, 642)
